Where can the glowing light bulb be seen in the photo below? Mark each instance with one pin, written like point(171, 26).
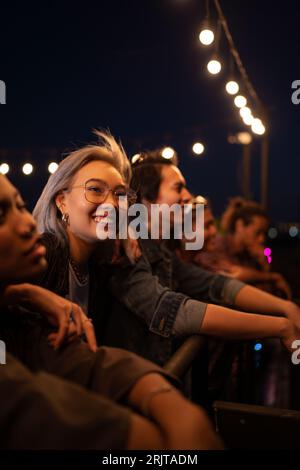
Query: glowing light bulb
point(198, 148)
point(240, 101)
point(4, 168)
point(52, 167)
point(258, 127)
point(248, 119)
point(214, 66)
point(232, 87)
point(168, 153)
point(245, 111)
point(27, 169)
point(206, 37)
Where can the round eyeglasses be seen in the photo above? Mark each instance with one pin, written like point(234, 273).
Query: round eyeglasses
point(96, 192)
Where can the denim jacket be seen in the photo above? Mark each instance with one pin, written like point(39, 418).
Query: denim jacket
point(155, 290)
point(135, 307)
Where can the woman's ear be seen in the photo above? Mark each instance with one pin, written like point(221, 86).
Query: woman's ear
point(59, 201)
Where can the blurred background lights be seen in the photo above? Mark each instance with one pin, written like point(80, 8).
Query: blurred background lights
point(258, 347)
point(214, 66)
point(168, 152)
point(27, 169)
point(248, 119)
point(232, 87)
point(258, 127)
point(206, 37)
point(4, 168)
point(245, 111)
point(244, 138)
point(52, 167)
point(267, 251)
point(240, 101)
point(293, 231)
point(198, 148)
point(272, 232)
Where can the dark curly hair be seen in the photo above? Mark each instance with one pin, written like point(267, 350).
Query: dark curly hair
point(240, 209)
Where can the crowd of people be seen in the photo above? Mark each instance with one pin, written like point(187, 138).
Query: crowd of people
point(89, 323)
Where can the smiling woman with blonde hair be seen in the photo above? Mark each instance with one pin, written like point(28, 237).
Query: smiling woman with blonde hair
point(92, 177)
point(47, 213)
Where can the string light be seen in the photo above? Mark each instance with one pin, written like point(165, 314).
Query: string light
point(168, 153)
point(206, 37)
point(214, 66)
point(240, 101)
point(27, 169)
point(198, 148)
point(248, 119)
point(232, 87)
point(245, 111)
point(258, 127)
point(52, 167)
point(4, 168)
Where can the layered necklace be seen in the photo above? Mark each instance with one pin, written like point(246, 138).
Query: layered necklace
point(83, 278)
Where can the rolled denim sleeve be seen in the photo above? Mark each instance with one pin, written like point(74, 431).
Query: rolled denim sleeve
point(230, 290)
point(200, 284)
point(189, 318)
point(191, 312)
point(142, 293)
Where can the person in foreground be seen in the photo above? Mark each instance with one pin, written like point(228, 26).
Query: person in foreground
point(75, 396)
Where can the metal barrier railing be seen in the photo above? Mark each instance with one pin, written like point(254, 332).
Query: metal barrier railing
point(182, 359)
point(190, 364)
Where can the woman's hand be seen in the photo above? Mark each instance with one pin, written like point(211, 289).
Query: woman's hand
point(67, 316)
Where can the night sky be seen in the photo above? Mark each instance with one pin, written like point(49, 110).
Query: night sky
point(138, 68)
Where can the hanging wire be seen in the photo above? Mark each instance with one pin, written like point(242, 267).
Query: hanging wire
point(236, 56)
point(231, 66)
point(207, 16)
point(218, 37)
